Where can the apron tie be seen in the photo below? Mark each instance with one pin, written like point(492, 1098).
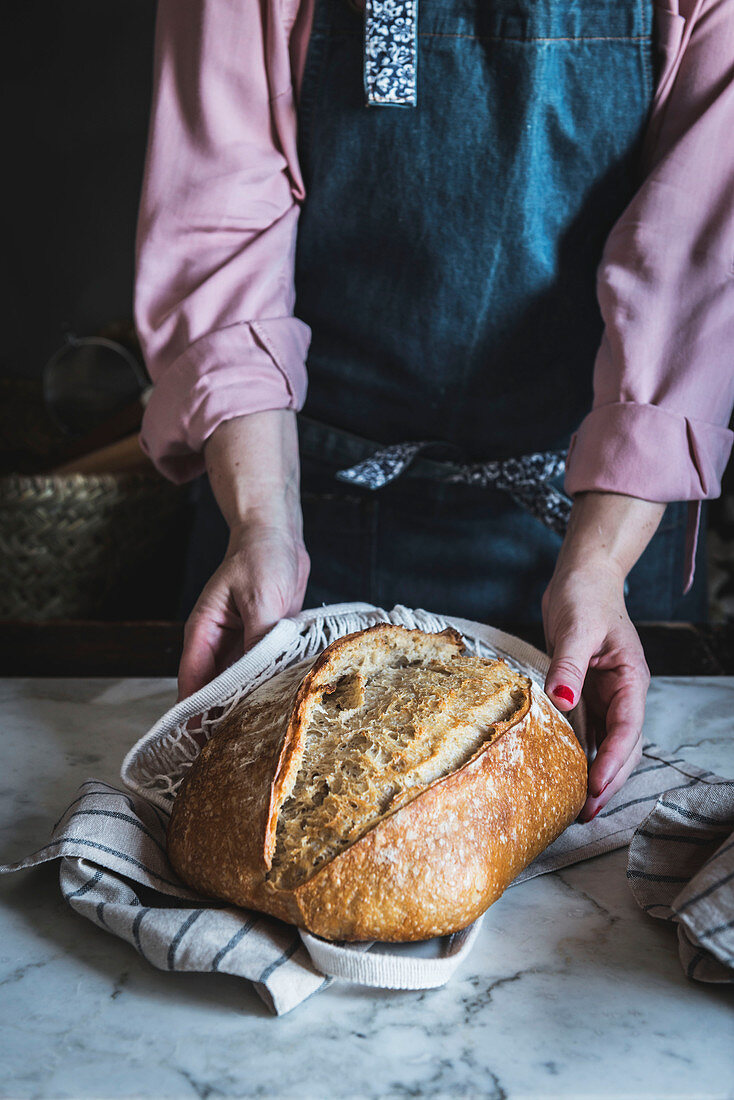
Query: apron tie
point(391, 53)
point(526, 479)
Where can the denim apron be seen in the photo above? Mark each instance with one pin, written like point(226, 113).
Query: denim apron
point(446, 261)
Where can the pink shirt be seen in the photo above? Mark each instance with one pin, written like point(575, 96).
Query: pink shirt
point(217, 224)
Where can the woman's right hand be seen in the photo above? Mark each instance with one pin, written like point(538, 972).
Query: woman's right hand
point(252, 463)
point(261, 580)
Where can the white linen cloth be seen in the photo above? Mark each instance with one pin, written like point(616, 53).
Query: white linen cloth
point(114, 868)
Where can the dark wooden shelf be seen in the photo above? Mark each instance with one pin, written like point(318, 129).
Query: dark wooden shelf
point(74, 648)
point(78, 648)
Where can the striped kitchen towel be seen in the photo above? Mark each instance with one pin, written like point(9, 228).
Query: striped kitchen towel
point(114, 871)
point(681, 869)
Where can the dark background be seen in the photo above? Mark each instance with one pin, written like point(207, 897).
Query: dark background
point(77, 83)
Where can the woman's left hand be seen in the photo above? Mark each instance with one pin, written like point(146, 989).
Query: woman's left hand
point(591, 640)
point(594, 645)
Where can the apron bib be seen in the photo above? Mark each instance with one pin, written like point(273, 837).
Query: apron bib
point(446, 254)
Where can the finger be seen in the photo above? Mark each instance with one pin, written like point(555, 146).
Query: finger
point(568, 668)
point(595, 803)
point(620, 750)
point(594, 734)
point(625, 718)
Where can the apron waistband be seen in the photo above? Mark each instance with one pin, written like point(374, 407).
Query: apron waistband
point(525, 478)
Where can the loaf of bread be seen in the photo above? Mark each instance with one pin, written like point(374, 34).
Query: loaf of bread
point(390, 789)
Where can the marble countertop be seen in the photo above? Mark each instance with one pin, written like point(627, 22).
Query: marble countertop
point(571, 991)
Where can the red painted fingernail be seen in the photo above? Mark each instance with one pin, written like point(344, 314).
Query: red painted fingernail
point(597, 792)
point(563, 692)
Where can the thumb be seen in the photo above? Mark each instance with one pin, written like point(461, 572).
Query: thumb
point(567, 672)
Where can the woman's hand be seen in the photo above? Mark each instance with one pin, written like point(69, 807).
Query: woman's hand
point(252, 463)
point(591, 639)
point(262, 579)
point(593, 644)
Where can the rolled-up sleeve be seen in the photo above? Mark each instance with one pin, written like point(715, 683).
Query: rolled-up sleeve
point(664, 373)
point(216, 231)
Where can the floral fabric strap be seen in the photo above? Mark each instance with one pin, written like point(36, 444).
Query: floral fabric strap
point(527, 479)
point(391, 53)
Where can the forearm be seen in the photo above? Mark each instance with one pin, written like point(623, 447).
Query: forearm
point(253, 467)
point(608, 529)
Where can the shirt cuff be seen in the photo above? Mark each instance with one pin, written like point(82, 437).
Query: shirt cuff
point(647, 452)
point(244, 368)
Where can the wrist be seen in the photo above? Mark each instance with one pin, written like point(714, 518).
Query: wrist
point(597, 567)
point(273, 517)
point(608, 532)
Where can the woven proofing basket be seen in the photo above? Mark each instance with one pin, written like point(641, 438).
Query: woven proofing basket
point(70, 544)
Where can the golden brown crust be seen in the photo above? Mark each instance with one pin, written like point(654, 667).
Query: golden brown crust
point(219, 818)
point(429, 868)
point(436, 865)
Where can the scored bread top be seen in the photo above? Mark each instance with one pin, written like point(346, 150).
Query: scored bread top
point(347, 661)
point(377, 739)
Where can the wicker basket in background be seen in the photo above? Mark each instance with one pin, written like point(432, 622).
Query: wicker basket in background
point(90, 546)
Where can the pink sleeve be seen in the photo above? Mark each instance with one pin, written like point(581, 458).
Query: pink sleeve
point(664, 373)
point(217, 225)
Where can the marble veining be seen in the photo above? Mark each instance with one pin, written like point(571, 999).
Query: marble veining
point(571, 991)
